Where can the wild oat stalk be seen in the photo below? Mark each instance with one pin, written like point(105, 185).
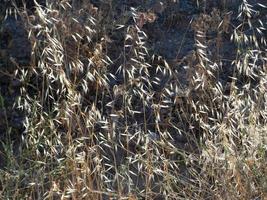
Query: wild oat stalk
point(105, 118)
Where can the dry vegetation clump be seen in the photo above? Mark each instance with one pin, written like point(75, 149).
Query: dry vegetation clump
point(106, 118)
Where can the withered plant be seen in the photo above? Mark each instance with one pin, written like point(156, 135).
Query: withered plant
point(106, 118)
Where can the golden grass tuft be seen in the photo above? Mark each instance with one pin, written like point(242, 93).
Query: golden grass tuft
point(99, 124)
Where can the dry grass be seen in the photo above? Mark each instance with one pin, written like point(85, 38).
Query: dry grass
point(88, 136)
